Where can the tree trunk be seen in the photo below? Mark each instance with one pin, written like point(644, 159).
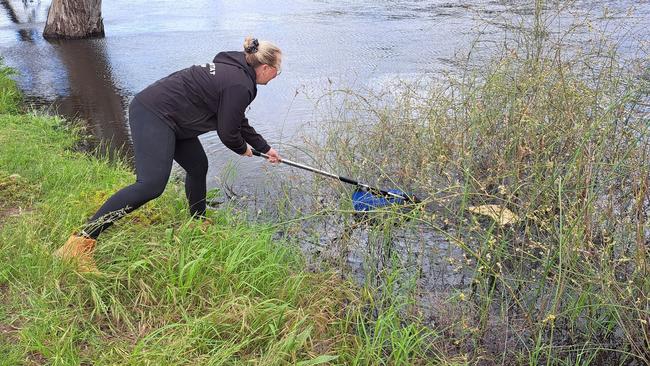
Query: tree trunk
point(74, 19)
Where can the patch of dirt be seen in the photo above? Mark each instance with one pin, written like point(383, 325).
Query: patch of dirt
point(6, 212)
point(9, 332)
point(36, 358)
point(15, 193)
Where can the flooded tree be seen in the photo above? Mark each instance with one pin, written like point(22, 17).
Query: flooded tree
point(74, 19)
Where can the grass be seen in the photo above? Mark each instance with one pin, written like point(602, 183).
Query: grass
point(170, 291)
point(9, 94)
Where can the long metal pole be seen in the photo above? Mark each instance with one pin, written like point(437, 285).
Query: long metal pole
point(341, 178)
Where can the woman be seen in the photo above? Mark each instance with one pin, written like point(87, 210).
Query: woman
point(166, 119)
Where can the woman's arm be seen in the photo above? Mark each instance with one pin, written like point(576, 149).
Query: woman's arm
point(230, 114)
point(253, 138)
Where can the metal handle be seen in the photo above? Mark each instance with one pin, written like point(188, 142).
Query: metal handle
point(306, 167)
point(341, 178)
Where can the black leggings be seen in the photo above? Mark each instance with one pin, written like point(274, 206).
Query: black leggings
point(155, 146)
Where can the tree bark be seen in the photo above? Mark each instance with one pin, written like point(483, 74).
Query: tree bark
point(74, 19)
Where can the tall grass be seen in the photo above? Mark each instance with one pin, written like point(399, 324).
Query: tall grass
point(559, 135)
point(9, 94)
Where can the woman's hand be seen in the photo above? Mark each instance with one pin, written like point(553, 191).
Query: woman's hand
point(274, 157)
point(248, 152)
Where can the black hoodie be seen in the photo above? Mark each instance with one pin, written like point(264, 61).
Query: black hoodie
point(208, 97)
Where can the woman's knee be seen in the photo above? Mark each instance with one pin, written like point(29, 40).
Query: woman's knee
point(198, 168)
point(151, 189)
point(191, 156)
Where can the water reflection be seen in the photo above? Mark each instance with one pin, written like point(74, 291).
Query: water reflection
point(81, 70)
point(93, 95)
point(23, 11)
point(26, 14)
point(11, 13)
point(27, 35)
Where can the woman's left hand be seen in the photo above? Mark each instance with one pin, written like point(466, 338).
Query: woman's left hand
point(274, 157)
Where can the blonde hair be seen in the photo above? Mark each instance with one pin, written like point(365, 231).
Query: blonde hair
point(261, 53)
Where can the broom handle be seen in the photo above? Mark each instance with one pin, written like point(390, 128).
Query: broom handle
point(327, 174)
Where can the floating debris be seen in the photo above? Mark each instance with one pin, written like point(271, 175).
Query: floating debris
point(500, 214)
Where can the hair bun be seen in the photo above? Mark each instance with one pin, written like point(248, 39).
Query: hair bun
point(252, 46)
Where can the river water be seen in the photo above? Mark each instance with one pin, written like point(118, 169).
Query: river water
point(356, 44)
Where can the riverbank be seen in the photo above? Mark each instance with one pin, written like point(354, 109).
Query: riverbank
point(170, 292)
point(531, 244)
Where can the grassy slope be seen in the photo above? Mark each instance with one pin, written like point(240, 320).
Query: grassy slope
point(169, 292)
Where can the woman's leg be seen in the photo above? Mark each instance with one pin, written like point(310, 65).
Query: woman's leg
point(153, 144)
point(189, 154)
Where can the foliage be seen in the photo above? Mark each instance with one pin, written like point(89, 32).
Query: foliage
point(552, 128)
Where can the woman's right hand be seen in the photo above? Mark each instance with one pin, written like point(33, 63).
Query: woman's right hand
point(274, 157)
point(248, 152)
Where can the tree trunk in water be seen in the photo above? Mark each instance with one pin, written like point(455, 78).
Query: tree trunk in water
point(74, 19)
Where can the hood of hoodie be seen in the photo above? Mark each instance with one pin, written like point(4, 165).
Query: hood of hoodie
point(237, 59)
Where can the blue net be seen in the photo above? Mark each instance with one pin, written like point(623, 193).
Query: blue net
point(366, 201)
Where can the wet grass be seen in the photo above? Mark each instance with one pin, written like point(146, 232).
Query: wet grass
point(170, 291)
point(556, 131)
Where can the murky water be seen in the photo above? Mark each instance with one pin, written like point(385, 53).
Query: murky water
point(352, 43)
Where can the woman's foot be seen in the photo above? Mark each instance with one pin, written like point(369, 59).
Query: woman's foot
point(79, 249)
